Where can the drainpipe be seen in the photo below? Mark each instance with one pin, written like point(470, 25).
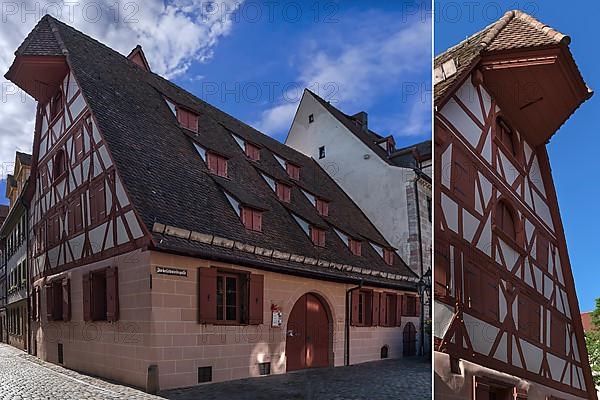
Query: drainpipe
point(347, 327)
point(422, 319)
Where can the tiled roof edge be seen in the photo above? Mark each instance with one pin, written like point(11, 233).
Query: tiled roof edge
point(213, 240)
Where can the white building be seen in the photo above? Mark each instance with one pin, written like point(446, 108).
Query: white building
point(375, 174)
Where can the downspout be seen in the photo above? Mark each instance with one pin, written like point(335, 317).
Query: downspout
point(347, 327)
point(422, 319)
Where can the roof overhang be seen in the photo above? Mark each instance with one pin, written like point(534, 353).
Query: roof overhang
point(39, 76)
point(538, 88)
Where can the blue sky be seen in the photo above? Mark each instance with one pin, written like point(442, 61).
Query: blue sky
point(574, 149)
point(254, 62)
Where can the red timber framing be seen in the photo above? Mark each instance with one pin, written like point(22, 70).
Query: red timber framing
point(84, 214)
point(501, 262)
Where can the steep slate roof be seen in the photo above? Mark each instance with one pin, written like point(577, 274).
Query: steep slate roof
point(515, 30)
point(24, 158)
point(169, 184)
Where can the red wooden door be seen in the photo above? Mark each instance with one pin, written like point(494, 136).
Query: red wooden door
point(307, 342)
point(409, 345)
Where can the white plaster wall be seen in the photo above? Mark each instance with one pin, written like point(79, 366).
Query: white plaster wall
point(354, 167)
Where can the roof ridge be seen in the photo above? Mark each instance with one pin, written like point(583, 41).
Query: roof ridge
point(546, 29)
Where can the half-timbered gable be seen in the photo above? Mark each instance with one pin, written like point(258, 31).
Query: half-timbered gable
point(505, 290)
point(80, 211)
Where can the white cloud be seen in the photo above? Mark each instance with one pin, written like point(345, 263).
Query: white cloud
point(174, 34)
point(374, 58)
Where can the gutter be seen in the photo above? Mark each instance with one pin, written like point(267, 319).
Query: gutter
point(347, 323)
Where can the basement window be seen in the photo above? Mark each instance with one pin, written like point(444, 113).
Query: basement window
point(204, 374)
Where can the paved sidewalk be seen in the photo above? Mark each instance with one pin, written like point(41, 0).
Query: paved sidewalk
point(408, 379)
point(24, 377)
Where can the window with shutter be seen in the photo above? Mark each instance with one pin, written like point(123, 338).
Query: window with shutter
point(252, 152)
point(472, 287)
point(390, 309)
point(363, 309)
point(317, 236)
point(252, 219)
point(98, 286)
point(410, 306)
point(388, 256)
point(322, 207)
point(355, 247)
point(66, 300)
point(217, 164)
point(56, 104)
point(529, 317)
point(97, 202)
point(59, 165)
point(558, 333)
point(505, 220)
point(112, 294)
point(207, 295)
point(462, 179)
point(399, 305)
point(505, 135)
point(187, 119)
point(284, 192)
point(541, 253)
point(292, 170)
point(75, 216)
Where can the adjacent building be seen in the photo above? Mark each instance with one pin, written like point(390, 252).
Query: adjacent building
point(173, 245)
point(13, 237)
point(507, 322)
point(398, 202)
point(3, 326)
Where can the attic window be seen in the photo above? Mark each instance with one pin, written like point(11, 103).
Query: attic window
point(321, 152)
point(388, 256)
point(252, 151)
point(187, 119)
point(292, 170)
point(355, 247)
point(284, 192)
point(506, 136)
point(252, 218)
point(311, 118)
point(444, 71)
point(56, 104)
point(317, 235)
point(505, 219)
point(217, 164)
point(322, 207)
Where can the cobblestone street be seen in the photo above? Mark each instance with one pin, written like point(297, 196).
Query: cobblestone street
point(24, 377)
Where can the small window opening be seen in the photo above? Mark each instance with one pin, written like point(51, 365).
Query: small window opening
point(321, 152)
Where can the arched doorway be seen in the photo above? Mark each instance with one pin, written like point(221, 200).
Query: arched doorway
point(308, 334)
point(409, 342)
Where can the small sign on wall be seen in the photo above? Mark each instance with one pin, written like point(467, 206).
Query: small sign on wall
point(171, 271)
point(277, 316)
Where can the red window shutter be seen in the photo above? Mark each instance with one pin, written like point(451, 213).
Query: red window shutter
point(187, 119)
point(44, 177)
point(211, 160)
point(322, 207)
point(208, 295)
point(87, 304)
point(354, 309)
point(558, 333)
point(375, 314)
point(78, 215)
point(388, 256)
point(93, 212)
point(193, 122)
point(257, 221)
point(472, 289)
point(66, 300)
point(112, 294)
point(284, 192)
point(399, 304)
point(418, 306)
point(255, 308)
point(252, 152)
point(491, 297)
point(442, 269)
point(355, 247)
point(293, 171)
point(100, 201)
point(317, 236)
point(383, 310)
point(541, 253)
point(49, 302)
point(222, 167)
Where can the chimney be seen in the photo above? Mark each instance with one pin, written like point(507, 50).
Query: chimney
point(362, 119)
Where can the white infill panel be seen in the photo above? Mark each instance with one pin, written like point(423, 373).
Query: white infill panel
point(462, 122)
point(443, 315)
point(450, 210)
point(481, 333)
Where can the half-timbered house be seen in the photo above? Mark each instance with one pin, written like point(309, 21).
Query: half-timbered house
point(13, 238)
point(174, 245)
point(507, 320)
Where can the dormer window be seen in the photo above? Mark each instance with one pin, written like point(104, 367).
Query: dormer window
point(388, 256)
point(322, 207)
point(292, 170)
point(187, 119)
point(284, 192)
point(506, 136)
point(317, 235)
point(252, 152)
point(251, 218)
point(355, 247)
point(217, 164)
point(56, 104)
point(60, 165)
